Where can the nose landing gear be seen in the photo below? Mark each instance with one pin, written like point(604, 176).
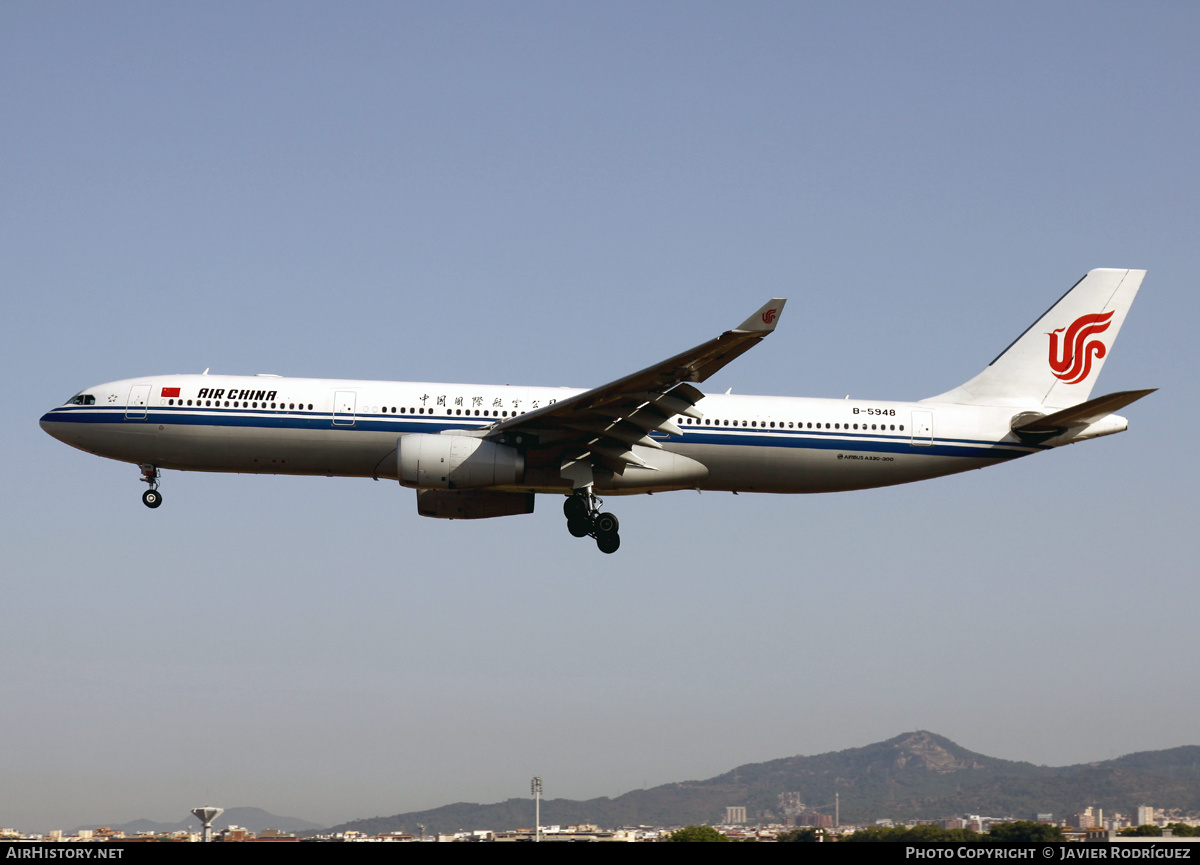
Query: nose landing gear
point(582, 510)
point(151, 498)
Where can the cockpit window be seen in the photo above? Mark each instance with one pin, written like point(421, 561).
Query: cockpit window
point(82, 399)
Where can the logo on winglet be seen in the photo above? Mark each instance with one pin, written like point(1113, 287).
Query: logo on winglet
point(769, 315)
point(1073, 363)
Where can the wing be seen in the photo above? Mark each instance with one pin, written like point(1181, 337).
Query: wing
point(599, 428)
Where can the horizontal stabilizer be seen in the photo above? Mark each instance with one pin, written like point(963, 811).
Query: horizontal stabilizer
point(1082, 414)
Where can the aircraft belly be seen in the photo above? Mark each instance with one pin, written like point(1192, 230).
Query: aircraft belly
point(255, 449)
point(342, 452)
point(759, 468)
point(337, 452)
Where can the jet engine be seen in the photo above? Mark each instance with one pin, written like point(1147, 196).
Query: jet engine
point(456, 462)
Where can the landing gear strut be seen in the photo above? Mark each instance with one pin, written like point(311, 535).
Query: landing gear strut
point(582, 510)
point(151, 498)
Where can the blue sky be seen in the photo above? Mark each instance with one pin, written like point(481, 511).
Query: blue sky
point(558, 194)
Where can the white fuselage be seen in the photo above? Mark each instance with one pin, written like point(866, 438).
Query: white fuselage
point(275, 425)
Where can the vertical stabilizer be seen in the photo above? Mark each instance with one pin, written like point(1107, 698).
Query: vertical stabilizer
point(1058, 358)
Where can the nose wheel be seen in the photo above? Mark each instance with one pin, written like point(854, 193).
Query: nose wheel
point(584, 519)
point(151, 498)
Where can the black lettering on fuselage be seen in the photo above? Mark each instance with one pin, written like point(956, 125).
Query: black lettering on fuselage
point(260, 395)
point(217, 393)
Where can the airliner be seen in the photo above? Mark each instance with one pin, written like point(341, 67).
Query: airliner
point(473, 451)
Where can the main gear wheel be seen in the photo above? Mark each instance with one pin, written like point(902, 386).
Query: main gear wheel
point(584, 519)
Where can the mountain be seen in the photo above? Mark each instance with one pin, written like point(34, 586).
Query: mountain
point(914, 776)
point(254, 819)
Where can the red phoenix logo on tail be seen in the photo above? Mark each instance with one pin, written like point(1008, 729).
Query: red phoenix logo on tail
point(769, 315)
point(1075, 363)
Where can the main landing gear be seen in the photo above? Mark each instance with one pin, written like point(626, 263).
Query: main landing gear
point(151, 498)
point(582, 510)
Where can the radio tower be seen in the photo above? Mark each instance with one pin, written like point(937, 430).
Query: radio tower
point(535, 787)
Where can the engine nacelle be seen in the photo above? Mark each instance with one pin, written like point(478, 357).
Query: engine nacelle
point(454, 462)
point(472, 504)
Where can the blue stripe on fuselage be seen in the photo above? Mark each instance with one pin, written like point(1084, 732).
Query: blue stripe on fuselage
point(278, 420)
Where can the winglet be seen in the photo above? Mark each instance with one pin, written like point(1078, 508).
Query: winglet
point(765, 319)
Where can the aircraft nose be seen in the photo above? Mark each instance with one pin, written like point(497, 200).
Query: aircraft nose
point(49, 424)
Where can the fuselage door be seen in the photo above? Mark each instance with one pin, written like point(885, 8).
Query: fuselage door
point(343, 408)
point(135, 408)
point(922, 428)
